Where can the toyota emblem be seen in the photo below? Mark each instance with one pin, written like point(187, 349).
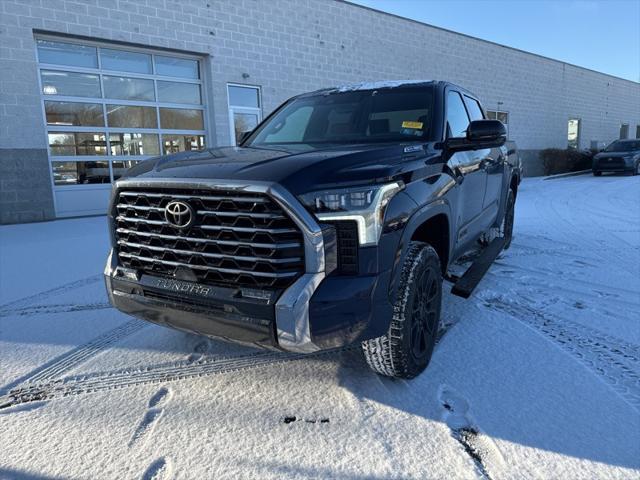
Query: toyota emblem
point(179, 214)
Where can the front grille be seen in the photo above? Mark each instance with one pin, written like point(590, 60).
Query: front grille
point(237, 239)
point(615, 162)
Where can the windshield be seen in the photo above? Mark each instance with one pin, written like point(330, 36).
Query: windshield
point(619, 146)
point(390, 115)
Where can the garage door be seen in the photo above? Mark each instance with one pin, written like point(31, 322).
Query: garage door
point(107, 108)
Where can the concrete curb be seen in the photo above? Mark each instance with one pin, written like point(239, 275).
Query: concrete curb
point(570, 174)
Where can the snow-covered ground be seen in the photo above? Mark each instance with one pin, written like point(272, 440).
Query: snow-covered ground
point(536, 376)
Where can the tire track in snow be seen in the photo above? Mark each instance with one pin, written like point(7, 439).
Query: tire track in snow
point(81, 384)
point(39, 297)
point(613, 360)
point(49, 309)
point(68, 361)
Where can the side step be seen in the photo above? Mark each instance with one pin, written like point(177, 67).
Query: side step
point(471, 278)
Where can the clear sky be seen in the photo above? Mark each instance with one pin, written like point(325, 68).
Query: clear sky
point(603, 35)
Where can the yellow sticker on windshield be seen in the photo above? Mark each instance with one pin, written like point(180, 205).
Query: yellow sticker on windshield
point(407, 124)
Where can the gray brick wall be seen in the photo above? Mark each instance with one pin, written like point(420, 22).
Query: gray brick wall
point(291, 46)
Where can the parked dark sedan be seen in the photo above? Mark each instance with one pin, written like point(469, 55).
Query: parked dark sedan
point(619, 156)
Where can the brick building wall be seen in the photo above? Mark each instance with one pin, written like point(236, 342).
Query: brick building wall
point(287, 47)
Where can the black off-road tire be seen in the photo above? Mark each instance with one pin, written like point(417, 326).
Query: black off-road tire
point(406, 349)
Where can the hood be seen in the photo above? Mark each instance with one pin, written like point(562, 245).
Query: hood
point(615, 154)
point(297, 171)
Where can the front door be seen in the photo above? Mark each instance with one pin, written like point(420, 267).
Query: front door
point(468, 168)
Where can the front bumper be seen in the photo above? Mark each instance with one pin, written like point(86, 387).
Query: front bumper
point(612, 165)
point(343, 309)
point(315, 313)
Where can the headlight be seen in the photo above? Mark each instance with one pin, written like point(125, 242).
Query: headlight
point(364, 205)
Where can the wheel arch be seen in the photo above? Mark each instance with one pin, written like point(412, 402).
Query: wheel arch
point(430, 224)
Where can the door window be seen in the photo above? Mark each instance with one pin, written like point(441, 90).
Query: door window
point(475, 111)
point(457, 118)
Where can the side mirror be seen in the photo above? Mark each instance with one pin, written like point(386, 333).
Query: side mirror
point(483, 131)
point(480, 134)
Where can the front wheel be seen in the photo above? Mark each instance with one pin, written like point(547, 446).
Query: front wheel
point(405, 350)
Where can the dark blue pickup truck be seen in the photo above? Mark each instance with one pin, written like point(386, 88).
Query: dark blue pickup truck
point(333, 223)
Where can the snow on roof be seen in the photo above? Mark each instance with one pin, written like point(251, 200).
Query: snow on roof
point(376, 85)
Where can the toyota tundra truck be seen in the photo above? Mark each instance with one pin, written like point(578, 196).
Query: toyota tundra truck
point(334, 222)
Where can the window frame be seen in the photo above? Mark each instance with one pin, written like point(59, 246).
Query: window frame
point(104, 101)
point(238, 109)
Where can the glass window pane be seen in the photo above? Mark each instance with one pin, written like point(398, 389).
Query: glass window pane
point(77, 143)
point(475, 112)
point(573, 132)
point(181, 119)
point(72, 113)
point(67, 54)
point(503, 117)
point(120, 167)
point(243, 97)
point(131, 116)
point(457, 118)
point(128, 88)
point(80, 173)
point(178, 92)
point(177, 67)
point(134, 144)
point(70, 84)
point(124, 61)
point(181, 143)
point(244, 122)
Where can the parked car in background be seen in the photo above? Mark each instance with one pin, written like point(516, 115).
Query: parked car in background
point(619, 156)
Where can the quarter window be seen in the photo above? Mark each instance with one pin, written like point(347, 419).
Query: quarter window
point(117, 106)
point(244, 110)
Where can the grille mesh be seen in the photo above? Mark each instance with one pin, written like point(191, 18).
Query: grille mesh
point(237, 239)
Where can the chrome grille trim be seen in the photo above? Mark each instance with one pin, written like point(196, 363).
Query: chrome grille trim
point(202, 267)
point(292, 308)
point(206, 240)
point(211, 255)
point(203, 197)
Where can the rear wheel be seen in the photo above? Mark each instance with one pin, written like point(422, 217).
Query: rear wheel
point(406, 349)
point(637, 170)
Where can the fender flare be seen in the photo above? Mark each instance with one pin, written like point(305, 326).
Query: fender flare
point(420, 216)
